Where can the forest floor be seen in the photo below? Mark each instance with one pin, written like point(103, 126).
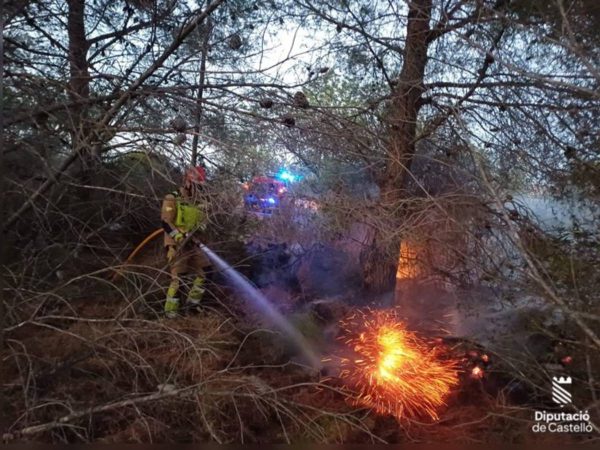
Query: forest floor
point(100, 369)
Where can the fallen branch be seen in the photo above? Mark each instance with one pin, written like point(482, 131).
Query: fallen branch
point(65, 420)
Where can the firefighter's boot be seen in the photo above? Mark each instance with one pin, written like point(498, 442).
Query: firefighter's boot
point(196, 293)
point(172, 302)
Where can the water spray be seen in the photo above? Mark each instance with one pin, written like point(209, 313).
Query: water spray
point(245, 288)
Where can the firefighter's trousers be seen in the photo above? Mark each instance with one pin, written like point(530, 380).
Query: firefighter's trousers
point(182, 260)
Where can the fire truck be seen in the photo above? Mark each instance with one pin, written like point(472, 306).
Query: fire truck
point(263, 194)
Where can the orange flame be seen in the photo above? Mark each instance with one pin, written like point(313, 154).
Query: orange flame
point(409, 265)
point(395, 372)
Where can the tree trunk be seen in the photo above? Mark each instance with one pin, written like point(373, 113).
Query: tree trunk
point(3, 249)
point(6, 241)
point(199, 105)
point(406, 97)
point(381, 264)
point(79, 86)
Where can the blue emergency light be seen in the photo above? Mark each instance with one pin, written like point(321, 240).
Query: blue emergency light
point(285, 175)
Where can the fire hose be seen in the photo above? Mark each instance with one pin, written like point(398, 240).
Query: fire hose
point(166, 228)
point(133, 254)
point(246, 289)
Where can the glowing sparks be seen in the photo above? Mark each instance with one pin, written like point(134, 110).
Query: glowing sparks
point(567, 360)
point(395, 372)
point(477, 372)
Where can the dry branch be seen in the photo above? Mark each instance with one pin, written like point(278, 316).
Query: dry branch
point(184, 31)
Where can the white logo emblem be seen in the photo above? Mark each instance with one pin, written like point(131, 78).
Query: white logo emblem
point(560, 395)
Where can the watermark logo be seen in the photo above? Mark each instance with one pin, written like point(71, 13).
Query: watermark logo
point(560, 421)
point(560, 395)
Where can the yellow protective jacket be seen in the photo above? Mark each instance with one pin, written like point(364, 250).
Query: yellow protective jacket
point(186, 216)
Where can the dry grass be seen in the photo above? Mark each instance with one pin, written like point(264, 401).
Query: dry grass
point(89, 377)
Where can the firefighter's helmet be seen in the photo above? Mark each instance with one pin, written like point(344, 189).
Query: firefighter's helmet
point(196, 175)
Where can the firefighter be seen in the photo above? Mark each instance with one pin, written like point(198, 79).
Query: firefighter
point(183, 217)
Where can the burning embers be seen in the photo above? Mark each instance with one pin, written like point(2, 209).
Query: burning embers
point(394, 371)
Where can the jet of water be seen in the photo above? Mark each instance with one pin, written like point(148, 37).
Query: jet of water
point(245, 288)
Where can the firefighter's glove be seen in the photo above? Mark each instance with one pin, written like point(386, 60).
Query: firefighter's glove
point(171, 253)
point(177, 236)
